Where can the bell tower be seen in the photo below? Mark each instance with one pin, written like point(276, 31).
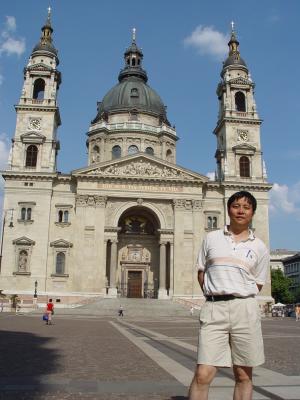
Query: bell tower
point(35, 144)
point(238, 155)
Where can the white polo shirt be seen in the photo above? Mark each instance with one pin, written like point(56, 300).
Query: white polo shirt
point(230, 267)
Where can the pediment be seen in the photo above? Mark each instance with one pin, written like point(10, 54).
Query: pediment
point(39, 67)
point(241, 81)
point(61, 243)
point(244, 148)
point(33, 137)
point(140, 166)
point(24, 241)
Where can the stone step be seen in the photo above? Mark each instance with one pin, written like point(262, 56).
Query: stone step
point(132, 307)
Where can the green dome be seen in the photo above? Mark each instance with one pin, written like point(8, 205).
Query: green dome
point(132, 92)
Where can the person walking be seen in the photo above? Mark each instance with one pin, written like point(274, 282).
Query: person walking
point(232, 268)
point(121, 311)
point(297, 312)
point(49, 311)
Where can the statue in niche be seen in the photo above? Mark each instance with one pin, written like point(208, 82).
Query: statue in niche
point(23, 259)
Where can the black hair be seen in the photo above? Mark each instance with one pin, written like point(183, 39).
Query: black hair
point(239, 195)
point(50, 300)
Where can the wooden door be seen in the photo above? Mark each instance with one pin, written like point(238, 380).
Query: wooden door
point(135, 281)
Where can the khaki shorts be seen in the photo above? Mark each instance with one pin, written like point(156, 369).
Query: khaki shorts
point(230, 333)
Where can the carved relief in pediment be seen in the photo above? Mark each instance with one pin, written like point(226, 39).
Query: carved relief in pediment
point(141, 168)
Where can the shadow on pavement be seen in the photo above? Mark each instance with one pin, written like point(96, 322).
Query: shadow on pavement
point(25, 358)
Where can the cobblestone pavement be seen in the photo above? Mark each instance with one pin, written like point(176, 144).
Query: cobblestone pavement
point(81, 357)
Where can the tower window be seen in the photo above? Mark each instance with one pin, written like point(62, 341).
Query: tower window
point(133, 149)
point(134, 92)
point(133, 62)
point(150, 151)
point(60, 263)
point(31, 156)
point(116, 152)
point(169, 155)
point(39, 89)
point(244, 167)
point(240, 102)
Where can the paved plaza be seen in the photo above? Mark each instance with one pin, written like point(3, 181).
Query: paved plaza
point(150, 353)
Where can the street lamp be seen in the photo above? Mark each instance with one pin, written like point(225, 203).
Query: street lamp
point(35, 289)
point(11, 225)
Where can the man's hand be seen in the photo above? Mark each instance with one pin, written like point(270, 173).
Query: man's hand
point(201, 279)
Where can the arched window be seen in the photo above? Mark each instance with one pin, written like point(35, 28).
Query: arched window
point(28, 214)
point(214, 222)
point(209, 222)
point(240, 102)
point(150, 151)
point(23, 213)
point(66, 216)
point(60, 263)
point(39, 89)
point(244, 167)
point(116, 152)
point(133, 149)
point(60, 216)
point(31, 156)
point(169, 155)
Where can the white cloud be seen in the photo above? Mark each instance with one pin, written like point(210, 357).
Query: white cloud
point(285, 199)
point(211, 176)
point(4, 150)
point(207, 40)
point(4, 153)
point(13, 46)
point(11, 23)
point(10, 45)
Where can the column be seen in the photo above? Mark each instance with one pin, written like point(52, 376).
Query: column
point(102, 146)
point(104, 267)
point(171, 291)
point(162, 292)
point(112, 291)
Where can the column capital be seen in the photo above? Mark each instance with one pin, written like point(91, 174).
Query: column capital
point(163, 243)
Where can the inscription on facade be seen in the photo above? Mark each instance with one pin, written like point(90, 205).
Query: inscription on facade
point(143, 187)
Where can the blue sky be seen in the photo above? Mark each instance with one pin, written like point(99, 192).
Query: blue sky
point(91, 37)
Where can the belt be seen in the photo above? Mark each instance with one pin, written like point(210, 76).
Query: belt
point(222, 297)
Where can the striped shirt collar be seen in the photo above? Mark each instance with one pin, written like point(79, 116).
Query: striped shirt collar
point(251, 235)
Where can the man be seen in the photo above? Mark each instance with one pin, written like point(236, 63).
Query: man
point(232, 268)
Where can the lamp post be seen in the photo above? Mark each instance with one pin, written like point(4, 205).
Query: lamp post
point(35, 289)
point(11, 225)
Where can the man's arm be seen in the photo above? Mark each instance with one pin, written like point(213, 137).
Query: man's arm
point(201, 279)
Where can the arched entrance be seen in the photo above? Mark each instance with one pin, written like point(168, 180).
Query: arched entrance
point(138, 253)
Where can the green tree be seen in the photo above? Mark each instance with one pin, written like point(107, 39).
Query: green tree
point(280, 287)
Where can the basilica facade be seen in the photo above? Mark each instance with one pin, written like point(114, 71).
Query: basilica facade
point(131, 221)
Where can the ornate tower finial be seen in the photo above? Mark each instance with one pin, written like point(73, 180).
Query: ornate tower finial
point(232, 27)
point(48, 21)
point(133, 34)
